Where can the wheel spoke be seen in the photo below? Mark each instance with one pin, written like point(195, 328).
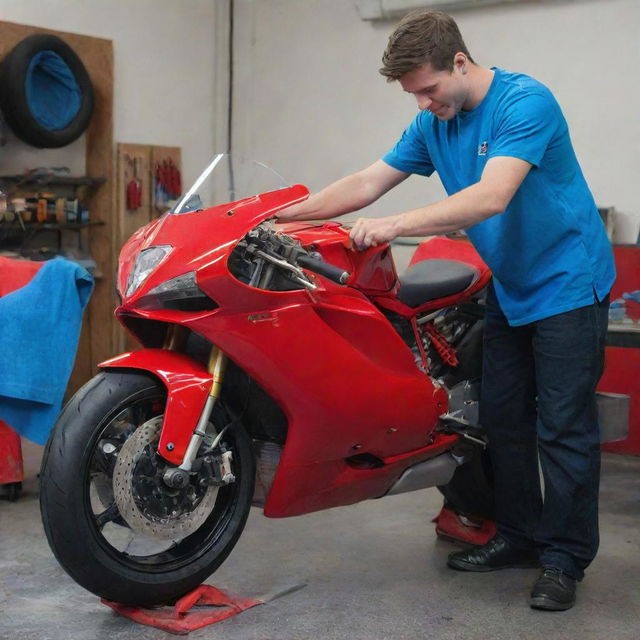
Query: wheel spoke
point(139, 546)
point(103, 461)
point(110, 514)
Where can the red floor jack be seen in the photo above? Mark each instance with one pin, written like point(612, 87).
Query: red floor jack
point(15, 274)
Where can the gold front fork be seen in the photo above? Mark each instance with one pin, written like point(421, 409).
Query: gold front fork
point(216, 367)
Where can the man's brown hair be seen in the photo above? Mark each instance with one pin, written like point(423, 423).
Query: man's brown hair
point(422, 37)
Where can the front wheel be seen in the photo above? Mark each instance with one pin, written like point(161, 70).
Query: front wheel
point(110, 519)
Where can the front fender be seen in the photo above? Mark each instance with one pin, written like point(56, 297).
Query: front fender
point(188, 383)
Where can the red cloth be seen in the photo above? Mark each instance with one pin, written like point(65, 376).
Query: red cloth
point(180, 619)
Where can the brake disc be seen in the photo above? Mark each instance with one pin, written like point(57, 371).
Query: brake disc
point(132, 507)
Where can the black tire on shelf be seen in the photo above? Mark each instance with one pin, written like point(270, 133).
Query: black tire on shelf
point(13, 93)
point(70, 523)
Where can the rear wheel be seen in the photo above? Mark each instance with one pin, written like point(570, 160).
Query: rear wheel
point(110, 519)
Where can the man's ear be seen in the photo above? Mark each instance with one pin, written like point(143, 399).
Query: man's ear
point(460, 62)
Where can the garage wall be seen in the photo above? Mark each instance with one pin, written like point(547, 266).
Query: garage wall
point(164, 75)
point(309, 99)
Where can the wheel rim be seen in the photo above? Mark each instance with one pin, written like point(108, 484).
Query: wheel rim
point(110, 528)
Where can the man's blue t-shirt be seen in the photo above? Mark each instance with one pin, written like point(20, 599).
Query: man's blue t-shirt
point(548, 250)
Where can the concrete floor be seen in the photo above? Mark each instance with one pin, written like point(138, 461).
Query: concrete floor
point(374, 571)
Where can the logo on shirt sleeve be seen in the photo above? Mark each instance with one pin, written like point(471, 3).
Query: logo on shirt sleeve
point(483, 148)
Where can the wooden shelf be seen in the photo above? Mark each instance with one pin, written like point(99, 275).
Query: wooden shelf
point(74, 226)
point(44, 179)
point(14, 227)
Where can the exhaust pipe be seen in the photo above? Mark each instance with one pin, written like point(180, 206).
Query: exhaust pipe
point(430, 473)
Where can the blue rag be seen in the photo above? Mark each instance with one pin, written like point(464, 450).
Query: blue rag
point(53, 94)
point(39, 332)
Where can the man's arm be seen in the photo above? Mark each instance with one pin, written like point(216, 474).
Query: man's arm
point(489, 196)
point(346, 195)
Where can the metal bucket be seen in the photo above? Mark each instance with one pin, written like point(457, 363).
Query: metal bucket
point(613, 415)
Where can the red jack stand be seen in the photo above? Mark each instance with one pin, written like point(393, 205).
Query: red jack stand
point(456, 528)
point(11, 468)
point(181, 620)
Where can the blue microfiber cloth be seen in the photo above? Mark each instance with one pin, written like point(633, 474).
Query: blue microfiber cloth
point(39, 331)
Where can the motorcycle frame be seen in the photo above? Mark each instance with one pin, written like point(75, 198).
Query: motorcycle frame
point(353, 389)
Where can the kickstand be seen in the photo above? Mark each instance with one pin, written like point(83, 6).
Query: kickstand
point(182, 618)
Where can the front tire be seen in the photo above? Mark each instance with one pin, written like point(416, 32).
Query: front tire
point(88, 535)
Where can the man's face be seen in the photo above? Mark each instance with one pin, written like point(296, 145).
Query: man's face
point(443, 93)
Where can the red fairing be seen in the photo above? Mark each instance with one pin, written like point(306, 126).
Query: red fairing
point(202, 238)
point(335, 380)
point(187, 383)
point(346, 381)
point(441, 248)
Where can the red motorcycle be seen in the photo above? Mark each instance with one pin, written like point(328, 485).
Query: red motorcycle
point(280, 367)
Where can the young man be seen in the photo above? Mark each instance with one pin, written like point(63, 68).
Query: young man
point(501, 147)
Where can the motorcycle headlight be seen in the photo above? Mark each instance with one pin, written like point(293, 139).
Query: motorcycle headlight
point(181, 294)
point(146, 262)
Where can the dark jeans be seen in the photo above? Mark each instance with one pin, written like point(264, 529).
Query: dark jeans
point(538, 400)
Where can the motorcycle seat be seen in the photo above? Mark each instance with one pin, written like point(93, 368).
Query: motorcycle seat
point(430, 279)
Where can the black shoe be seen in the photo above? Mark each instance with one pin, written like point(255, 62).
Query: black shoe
point(496, 554)
point(553, 591)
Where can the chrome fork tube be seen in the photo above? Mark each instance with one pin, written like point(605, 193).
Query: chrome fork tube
point(217, 366)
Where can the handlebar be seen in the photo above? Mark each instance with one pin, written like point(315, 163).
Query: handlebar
point(333, 273)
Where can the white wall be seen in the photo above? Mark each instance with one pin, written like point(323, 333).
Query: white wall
point(309, 99)
point(163, 73)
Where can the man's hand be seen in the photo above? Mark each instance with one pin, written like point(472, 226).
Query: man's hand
point(370, 232)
